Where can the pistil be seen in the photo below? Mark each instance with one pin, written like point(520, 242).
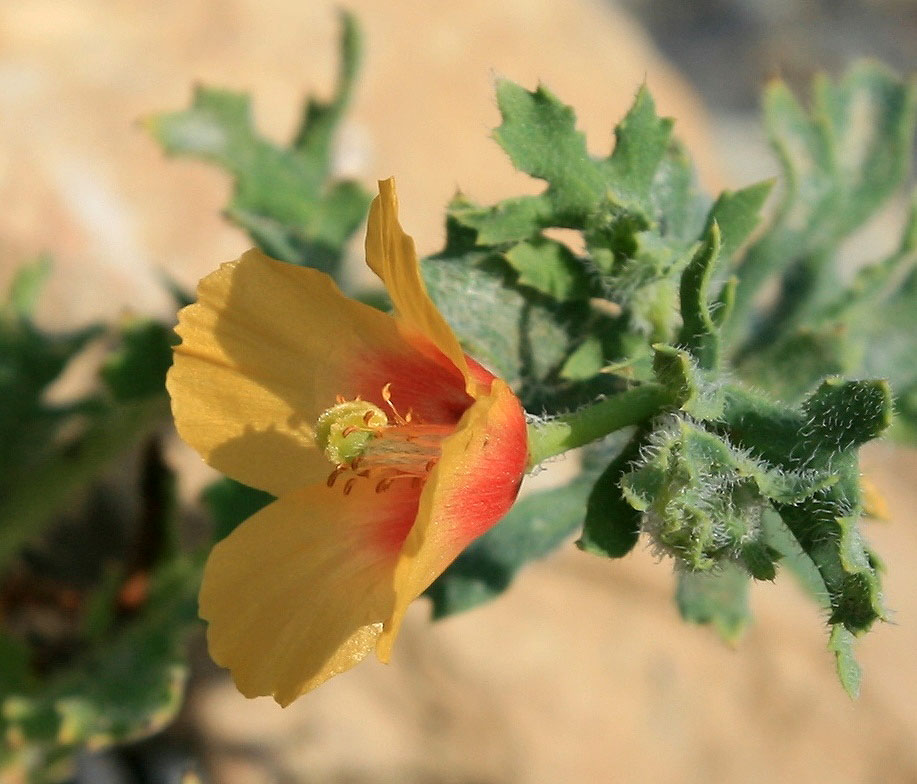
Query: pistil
point(361, 441)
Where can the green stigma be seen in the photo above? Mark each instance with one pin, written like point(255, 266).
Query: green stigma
point(344, 430)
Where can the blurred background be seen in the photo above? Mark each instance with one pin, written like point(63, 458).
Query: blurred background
point(583, 671)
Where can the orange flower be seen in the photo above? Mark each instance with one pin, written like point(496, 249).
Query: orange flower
point(388, 449)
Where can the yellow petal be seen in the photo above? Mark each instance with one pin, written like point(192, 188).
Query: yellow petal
point(264, 352)
point(391, 255)
point(299, 591)
point(470, 489)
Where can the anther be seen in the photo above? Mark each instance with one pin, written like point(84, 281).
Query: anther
point(332, 477)
point(349, 486)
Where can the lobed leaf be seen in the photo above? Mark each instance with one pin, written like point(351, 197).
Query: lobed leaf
point(283, 197)
point(539, 134)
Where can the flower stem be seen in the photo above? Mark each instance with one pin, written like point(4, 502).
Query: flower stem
point(594, 421)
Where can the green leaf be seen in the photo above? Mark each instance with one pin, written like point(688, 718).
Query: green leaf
point(843, 415)
point(122, 690)
point(549, 267)
point(844, 337)
point(283, 196)
point(719, 598)
point(14, 664)
point(539, 135)
point(510, 220)
point(737, 214)
point(585, 360)
point(841, 162)
point(692, 391)
point(137, 368)
point(52, 450)
point(321, 119)
point(822, 438)
point(781, 540)
point(841, 645)
point(868, 119)
point(612, 526)
point(813, 353)
point(642, 140)
point(699, 332)
point(231, 503)
point(677, 202)
point(535, 526)
point(520, 335)
point(26, 287)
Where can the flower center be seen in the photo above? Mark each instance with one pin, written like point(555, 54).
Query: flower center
point(360, 440)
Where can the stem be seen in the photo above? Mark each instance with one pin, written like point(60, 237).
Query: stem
point(596, 420)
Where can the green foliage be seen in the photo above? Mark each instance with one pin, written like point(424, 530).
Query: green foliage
point(136, 370)
point(129, 685)
point(124, 668)
point(612, 525)
point(51, 450)
point(523, 336)
point(726, 480)
point(642, 220)
point(283, 197)
point(843, 336)
point(840, 162)
point(231, 503)
point(26, 288)
point(732, 432)
point(536, 526)
point(549, 267)
point(719, 598)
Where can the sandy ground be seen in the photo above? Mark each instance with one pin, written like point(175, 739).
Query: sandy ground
point(583, 671)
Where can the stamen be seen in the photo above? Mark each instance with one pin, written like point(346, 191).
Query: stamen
point(361, 441)
point(387, 397)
